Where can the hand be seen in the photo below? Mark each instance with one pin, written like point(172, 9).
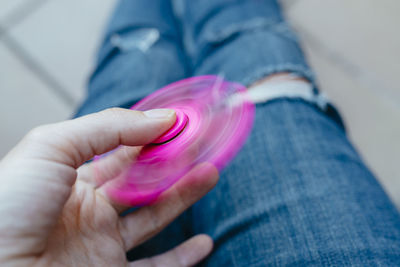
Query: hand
point(52, 213)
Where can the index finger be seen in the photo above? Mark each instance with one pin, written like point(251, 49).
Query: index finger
point(146, 222)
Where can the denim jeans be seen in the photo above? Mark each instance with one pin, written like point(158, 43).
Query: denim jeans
point(298, 193)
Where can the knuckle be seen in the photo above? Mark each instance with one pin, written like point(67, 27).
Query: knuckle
point(38, 133)
point(113, 110)
point(118, 113)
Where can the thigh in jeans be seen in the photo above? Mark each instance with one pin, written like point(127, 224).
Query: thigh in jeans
point(298, 194)
point(243, 40)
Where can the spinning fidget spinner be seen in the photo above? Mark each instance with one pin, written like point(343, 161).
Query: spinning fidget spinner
point(213, 120)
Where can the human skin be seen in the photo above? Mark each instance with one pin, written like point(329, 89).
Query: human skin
point(282, 76)
point(55, 212)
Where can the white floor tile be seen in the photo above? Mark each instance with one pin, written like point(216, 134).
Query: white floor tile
point(364, 32)
point(63, 36)
point(25, 102)
point(8, 7)
point(372, 125)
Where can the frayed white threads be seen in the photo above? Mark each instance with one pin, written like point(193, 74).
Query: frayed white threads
point(142, 39)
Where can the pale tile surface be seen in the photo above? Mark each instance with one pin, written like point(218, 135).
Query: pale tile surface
point(8, 7)
point(353, 47)
point(25, 102)
point(63, 36)
point(363, 32)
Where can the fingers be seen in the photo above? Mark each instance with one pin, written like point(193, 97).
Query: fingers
point(107, 168)
point(76, 141)
point(188, 253)
point(144, 223)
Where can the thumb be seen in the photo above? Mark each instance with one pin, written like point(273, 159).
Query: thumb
point(37, 176)
point(76, 141)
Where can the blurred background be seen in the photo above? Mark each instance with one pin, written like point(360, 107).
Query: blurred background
point(47, 49)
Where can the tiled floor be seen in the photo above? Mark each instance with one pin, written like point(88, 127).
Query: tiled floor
point(46, 54)
point(46, 51)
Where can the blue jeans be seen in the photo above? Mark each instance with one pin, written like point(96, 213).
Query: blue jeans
point(298, 193)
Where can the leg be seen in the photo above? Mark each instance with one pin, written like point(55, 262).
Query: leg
point(244, 40)
point(142, 51)
point(298, 193)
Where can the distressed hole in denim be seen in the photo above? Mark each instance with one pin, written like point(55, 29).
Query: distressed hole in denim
point(295, 69)
point(256, 24)
point(142, 39)
point(291, 89)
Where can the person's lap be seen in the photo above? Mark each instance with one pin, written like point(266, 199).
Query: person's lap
point(297, 193)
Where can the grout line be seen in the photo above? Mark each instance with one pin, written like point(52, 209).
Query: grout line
point(24, 56)
point(365, 77)
point(19, 15)
point(48, 79)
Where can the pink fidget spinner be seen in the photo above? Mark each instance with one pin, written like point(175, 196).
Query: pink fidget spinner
point(213, 120)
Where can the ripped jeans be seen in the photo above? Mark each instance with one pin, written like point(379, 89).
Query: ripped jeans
point(298, 193)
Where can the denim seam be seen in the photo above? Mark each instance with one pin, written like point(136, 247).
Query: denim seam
point(235, 28)
point(210, 15)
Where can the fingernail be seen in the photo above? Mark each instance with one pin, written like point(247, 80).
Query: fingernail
point(160, 113)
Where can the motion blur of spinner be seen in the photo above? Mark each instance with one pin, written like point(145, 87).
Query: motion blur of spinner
point(214, 118)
